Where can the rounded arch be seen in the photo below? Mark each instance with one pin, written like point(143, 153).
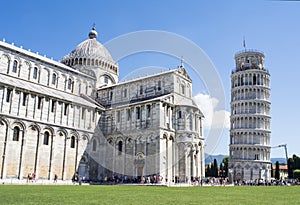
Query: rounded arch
point(151, 137)
point(140, 155)
point(46, 70)
point(35, 126)
point(139, 138)
point(110, 141)
point(17, 58)
point(70, 77)
point(49, 129)
point(119, 138)
point(62, 132)
point(85, 137)
point(75, 134)
point(19, 124)
point(129, 140)
point(106, 77)
point(28, 63)
point(84, 159)
point(61, 75)
point(3, 120)
point(6, 56)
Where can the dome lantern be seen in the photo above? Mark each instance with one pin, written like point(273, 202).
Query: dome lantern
point(93, 33)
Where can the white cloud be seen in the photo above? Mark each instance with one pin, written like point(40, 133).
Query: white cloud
point(213, 118)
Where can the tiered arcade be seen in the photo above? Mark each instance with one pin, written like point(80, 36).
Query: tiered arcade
point(249, 148)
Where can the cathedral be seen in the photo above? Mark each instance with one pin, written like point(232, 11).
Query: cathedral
point(74, 117)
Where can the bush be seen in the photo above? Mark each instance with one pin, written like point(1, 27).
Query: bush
point(297, 174)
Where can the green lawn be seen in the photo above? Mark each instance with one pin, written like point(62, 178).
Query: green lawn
point(57, 194)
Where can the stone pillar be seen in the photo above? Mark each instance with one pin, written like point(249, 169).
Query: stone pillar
point(3, 170)
point(36, 163)
point(64, 159)
point(20, 174)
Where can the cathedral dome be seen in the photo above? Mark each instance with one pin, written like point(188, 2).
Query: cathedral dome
point(89, 53)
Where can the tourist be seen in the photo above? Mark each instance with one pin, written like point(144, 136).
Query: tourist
point(55, 178)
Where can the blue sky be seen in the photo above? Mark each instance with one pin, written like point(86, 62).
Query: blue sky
point(54, 28)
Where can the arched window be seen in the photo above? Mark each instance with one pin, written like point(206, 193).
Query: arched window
point(15, 66)
point(106, 79)
point(46, 138)
point(191, 122)
point(16, 133)
point(120, 146)
point(94, 145)
point(70, 84)
point(53, 79)
point(138, 113)
point(159, 85)
point(72, 142)
point(111, 95)
point(35, 73)
point(141, 89)
point(254, 79)
point(125, 93)
point(182, 89)
point(79, 88)
point(179, 114)
point(8, 94)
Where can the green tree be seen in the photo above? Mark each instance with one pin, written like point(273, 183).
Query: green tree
point(293, 164)
point(290, 168)
point(221, 170)
point(296, 164)
point(208, 171)
point(272, 171)
point(215, 168)
point(225, 166)
point(277, 173)
point(297, 174)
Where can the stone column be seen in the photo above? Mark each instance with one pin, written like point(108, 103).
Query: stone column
point(51, 158)
point(3, 170)
point(36, 163)
point(64, 159)
point(20, 174)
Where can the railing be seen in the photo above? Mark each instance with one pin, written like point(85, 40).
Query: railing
point(249, 50)
point(249, 68)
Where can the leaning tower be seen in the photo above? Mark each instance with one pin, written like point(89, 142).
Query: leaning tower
point(249, 149)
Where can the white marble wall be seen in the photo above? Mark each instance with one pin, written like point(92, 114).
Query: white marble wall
point(66, 120)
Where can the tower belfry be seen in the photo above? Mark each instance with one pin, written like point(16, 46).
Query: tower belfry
point(249, 149)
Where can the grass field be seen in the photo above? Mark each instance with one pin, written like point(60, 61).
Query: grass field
point(42, 194)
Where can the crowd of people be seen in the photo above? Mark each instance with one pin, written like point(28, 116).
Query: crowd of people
point(266, 182)
point(159, 180)
point(31, 177)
